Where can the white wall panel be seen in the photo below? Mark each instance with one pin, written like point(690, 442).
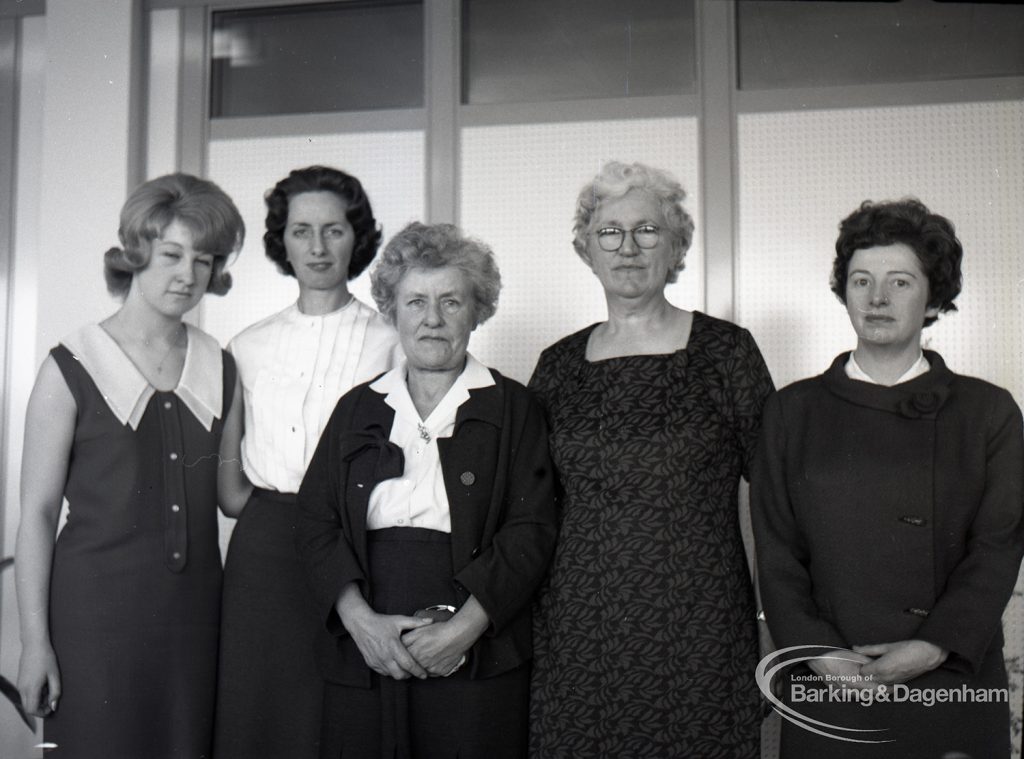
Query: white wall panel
point(518, 192)
point(801, 173)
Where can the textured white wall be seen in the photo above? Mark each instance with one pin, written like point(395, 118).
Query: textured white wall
point(801, 173)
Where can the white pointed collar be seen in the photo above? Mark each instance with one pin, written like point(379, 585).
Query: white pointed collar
point(393, 386)
point(127, 391)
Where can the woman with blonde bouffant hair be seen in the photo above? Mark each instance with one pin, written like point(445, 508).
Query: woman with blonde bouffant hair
point(120, 614)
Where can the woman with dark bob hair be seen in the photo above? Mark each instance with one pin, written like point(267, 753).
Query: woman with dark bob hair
point(646, 638)
point(119, 615)
point(293, 367)
point(887, 500)
point(427, 522)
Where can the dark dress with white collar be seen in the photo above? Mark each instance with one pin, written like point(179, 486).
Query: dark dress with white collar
point(884, 514)
point(135, 588)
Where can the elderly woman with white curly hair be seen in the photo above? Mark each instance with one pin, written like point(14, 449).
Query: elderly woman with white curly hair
point(646, 638)
point(427, 523)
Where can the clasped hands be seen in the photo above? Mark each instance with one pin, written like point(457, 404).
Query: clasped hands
point(400, 646)
point(880, 664)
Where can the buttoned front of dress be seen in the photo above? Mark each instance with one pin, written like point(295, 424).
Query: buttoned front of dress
point(175, 517)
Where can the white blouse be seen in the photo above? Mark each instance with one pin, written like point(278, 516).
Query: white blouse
point(418, 498)
point(294, 367)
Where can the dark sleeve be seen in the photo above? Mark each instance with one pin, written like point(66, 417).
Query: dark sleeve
point(325, 550)
point(782, 552)
point(968, 614)
point(507, 573)
point(750, 384)
point(542, 378)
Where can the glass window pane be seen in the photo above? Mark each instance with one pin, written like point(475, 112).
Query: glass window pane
point(349, 56)
point(823, 43)
point(545, 50)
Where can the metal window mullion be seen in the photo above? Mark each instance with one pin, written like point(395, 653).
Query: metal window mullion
point(193, 93)
point(441, 71)
point(717, 150)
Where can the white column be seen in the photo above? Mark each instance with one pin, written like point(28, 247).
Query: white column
point(88, 147)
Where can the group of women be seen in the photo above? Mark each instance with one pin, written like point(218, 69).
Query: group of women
point(431, 560)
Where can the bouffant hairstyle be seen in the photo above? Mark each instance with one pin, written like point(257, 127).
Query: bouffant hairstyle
point(322, 179)
point(433, 246)
point(616, 179)
point(932, 238)
point(205, 209)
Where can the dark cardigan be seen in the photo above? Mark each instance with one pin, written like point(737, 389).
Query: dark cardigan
point(500, 486)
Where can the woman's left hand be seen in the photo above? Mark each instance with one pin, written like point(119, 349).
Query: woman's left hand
point(901, 661)
point(439, 648)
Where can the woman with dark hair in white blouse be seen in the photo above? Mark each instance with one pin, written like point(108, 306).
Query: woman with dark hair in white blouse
point(293, 367)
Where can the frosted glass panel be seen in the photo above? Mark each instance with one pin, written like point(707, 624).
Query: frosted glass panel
point(824, 43)
point(519, 186)
point(389, 164)
point(346, 56)
point(543, 50)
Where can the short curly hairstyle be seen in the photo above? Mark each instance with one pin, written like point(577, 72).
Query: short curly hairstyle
point(205, 209)
point(358, 211)
point(433, 246)
point(932, 238)
point(616, 179)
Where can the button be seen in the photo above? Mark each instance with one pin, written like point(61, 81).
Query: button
point(175, 555)
point(761, 617)
point(467, 478)
point(914, 520)
point(401, 521)
point(167, 405)
point(475, 552)
point(175, 508)
point(174, 457)
point(917, 612)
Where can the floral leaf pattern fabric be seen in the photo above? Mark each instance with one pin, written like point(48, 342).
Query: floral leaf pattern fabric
point(645, 639)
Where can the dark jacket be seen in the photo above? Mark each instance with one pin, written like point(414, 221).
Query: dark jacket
point(889, 513)
point(500, 486)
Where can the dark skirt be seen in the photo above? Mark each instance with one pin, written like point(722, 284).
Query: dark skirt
point(455, 716)
point(269, 689)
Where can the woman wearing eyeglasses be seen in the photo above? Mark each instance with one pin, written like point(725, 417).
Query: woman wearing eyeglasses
point(646, 641)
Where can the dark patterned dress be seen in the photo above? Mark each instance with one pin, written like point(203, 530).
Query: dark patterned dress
point(645, 641)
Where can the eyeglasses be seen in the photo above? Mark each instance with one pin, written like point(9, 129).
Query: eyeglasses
point(645, 236)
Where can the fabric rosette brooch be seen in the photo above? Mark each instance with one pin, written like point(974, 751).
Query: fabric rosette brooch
point(923, 404)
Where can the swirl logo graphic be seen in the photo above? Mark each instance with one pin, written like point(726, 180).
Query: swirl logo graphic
point(862, 693)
